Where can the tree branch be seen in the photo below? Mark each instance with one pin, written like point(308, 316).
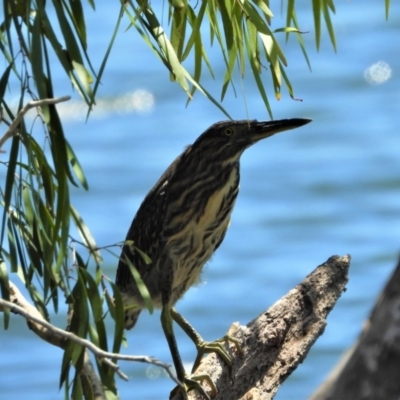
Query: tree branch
point(59, 337)
point(276, 342)
point(12, 129)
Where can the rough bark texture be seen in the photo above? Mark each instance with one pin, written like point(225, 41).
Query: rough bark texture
point(370, 370)
point(273, 344)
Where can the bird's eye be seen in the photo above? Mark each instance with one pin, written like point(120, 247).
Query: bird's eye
point(229, 131)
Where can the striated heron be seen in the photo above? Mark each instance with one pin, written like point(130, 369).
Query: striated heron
point(180, 224)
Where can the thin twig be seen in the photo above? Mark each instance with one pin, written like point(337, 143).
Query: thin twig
point(12, 130)
point(104, 356)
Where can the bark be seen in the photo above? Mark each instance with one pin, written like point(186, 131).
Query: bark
point(277, 341)
point(370, 370)
point(271, 346)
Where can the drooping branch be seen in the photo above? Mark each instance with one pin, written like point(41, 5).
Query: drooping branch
point(276, 342)
point(13, 128)
point(59, 337)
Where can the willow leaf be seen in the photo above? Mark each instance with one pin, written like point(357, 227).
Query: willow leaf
point(317, 21)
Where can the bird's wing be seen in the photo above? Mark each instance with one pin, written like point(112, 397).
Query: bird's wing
point(146, 230)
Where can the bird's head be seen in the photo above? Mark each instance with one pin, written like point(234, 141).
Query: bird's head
point(228, 139)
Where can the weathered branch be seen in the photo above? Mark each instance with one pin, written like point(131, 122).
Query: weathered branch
point(272, 345)
point(370, 369)
point(276, 342)
point(59, 337)
point(52, 335)
point(13, 128)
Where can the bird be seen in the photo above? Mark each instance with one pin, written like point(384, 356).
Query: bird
point(180, 224)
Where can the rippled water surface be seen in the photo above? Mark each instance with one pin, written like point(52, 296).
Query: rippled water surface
point(331, 187)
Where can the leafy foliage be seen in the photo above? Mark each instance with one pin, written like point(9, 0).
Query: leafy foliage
point(35, 233)
point(241, 29)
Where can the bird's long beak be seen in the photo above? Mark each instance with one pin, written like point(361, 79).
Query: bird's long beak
point(264, 129)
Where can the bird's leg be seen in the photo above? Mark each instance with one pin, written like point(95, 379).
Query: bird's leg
point(202, 346)
point(187, 383)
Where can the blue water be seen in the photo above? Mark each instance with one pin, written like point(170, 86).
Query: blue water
point(331, 187)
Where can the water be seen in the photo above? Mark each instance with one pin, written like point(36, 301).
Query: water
point(331, 187)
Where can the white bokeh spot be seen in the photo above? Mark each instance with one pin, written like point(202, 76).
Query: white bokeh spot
point(378, 73)
point(140, 101)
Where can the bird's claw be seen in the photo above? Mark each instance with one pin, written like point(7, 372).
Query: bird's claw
point(217, 346)
point(193, 383)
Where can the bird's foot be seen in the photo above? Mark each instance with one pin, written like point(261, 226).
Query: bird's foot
point(193, 383)
point(217, 346)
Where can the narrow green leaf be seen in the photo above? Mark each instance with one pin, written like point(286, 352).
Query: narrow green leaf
point(287, 82)
point(105, 58)
point(97, 309)
point(98, 332)
point(63, 56)
point(92, 4)
point(264, 8)
point(29, 213)
point(86, 235)
point(287, 29)
point(178, 29)
point(216, 32)
point(252, 39)
point(329, 25)
point(255, 18)
point(144, 256)
point(331, 5)
point(387, 7)
point(84, 77)
point(161, 56)
point(4, 81)
point(118, 311)
point(76, 166)
point(272, 56)
point(45, 227)
point(198, 51)
point(227, 23)
point(213, 18)
point(37, 63)
point(66, 363)
point(140, 285)
point(7, 23)
point(263, 29)
point(77, 391)
point(239, 28)
point(290, 12)
point(68, 35)
point(62, 173)
point(317, 21)
point(207, 94)
point(12, 247)
point(258, 79)
point(38, 300)
point(196, 22)
point(20, 253)
point(301, 42)
point(10, 177)
point(80, 316)
point(169, 55)
point(47, 182)
point(5, 291)
point(207, 61)
point(79, 20)
point(45, 171)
